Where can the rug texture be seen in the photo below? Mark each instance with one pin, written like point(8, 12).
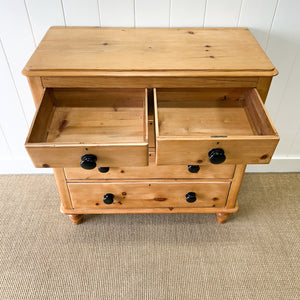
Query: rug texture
point(255, 255)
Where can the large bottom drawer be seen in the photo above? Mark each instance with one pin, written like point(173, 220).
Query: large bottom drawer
point(185, 194)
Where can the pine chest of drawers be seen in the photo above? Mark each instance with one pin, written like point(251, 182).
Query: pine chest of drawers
point(149, 120)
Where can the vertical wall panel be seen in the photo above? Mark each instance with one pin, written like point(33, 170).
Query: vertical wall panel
point(114, 13)
point(24, 22)
point(287, 119)
point(44, 14)
point(12, 119)
point(257, 15)
point(81, 12)
point(155, 13)
point(282, 48)
point(4, 149)
point(189, 13)
point(18, 42)
point(223, 13)
point(295, 149)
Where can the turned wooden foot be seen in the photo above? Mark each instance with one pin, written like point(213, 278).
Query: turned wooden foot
point(76, 219)
point(222, 217)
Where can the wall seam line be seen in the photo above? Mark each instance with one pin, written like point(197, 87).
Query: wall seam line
point(63, 12)
point(134, 13)
point(271, 26)
point(30, 25)
point(286, 83)
point(240, 10)
point(99, 18)
point(14, 83)
point(294, 142)
point(170, 7)
point(282, 97)
point(204, 15)
point(7, 144)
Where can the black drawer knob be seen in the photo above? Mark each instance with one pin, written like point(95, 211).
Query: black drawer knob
point(108, 198)
point(103, 169)
point(88, 161)
point(193, 168)
point(190, 197)
point(216, 156)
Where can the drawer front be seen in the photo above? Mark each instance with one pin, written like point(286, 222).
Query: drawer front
point(144, 194)
point(229, 126)
point(89, 127)
point(152, 171)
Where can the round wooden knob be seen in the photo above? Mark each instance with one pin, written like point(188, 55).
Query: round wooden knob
point(88, 161)
point(193, 168)
point(190, 197)
point(108, 198)
point(216, 156)
point(103, 169)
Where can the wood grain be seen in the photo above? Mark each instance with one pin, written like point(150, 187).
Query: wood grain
point(237, 122)
point(62, 188)
point(99, 97)
point(205, 99)
point(37, 89)
point(148, 49)
point(235, 186)
point(258, 114)
point(161, 210)
point(263, 86)
point(203, 121)
point(42, 119)
point(76, 219)
point(148, 194)
point(111, 124)
point(238, 150)
point(65, 155)
point(164, 80)
point(222, 217)
point(104, 125)
point(152, 171)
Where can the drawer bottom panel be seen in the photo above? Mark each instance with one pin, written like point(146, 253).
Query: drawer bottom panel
point(149, 194)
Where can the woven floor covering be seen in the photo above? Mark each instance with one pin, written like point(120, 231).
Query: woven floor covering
point(255, 255)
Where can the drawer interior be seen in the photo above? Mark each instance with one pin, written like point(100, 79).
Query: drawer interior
point(95, 116)
point(75, 126)
point(212, 125)
point(211, 113)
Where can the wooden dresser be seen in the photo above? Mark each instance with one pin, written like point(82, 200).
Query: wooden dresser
point(149, 120)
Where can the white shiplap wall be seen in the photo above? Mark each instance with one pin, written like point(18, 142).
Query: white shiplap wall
point(275, 24)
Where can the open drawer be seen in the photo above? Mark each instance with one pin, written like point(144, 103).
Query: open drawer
point(195, 126)
point(88, 127)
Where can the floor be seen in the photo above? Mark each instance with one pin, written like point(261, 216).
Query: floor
point(255, 255)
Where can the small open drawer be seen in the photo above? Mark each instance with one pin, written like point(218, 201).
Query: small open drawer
point(88, 127)
point(195, 126)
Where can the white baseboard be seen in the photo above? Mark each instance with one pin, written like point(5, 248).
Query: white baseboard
point(21, 166)
point(278, 164)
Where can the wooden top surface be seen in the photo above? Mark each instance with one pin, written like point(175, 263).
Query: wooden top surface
point(96, 51)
